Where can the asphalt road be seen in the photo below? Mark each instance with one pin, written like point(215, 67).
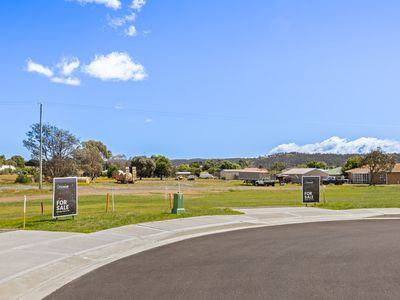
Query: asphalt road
point(329, 260)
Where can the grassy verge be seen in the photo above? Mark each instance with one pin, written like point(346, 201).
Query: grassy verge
point(131, 209)
point(93, 217)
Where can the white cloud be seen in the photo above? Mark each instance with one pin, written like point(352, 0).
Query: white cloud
point(131, 31)
point(138, 4)
point(68, 65)
point(114, 4)
point(342, 146)
point(118, 22)
point(38, 68)
point(148, 120)
point(115, 66)
point(66, 80)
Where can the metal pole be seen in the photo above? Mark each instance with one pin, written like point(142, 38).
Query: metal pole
point(41, 149)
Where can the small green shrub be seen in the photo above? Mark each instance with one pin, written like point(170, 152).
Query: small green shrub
point(22, 179)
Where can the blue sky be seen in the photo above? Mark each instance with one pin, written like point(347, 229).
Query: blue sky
point(201, 78)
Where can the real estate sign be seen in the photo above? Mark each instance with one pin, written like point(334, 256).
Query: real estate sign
point(65, 197)
point(311, 186)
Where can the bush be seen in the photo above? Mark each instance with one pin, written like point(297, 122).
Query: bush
point(22, 179)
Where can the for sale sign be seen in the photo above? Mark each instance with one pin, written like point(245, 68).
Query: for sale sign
point(65, 197)
point(311, 186)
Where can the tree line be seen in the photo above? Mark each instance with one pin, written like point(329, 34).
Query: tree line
point(63, 154)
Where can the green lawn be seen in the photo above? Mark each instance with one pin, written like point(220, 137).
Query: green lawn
point(137, 209)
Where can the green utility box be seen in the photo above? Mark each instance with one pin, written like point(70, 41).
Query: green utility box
point(178, 204)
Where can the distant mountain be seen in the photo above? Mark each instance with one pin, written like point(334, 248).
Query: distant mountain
point(290, 159)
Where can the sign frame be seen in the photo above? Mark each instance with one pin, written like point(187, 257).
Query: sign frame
point(302, 190)
point(54, 198)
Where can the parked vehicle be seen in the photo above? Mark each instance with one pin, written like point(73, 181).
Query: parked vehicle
point(334, 180)
point(191, 177)
point(256, 178)
point(206, 175)
point(264, 182)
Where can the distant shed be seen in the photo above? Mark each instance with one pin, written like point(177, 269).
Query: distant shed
point(229, 174)
point(295, 175)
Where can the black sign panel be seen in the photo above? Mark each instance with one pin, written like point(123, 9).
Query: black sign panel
point(65, 197)
point(311, 189)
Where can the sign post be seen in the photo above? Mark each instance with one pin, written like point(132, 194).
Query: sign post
point(65, 197)
point(311, 189)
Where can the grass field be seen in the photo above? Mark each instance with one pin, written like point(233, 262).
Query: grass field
point(206, 200)
point(131, 209)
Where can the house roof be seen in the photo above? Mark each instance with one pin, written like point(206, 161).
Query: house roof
point(396, 169)
point(300, 171)
point(254, 170)
point(334, 172)
point(230, 170)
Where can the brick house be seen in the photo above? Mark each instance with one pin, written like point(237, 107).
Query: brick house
point(362, 176)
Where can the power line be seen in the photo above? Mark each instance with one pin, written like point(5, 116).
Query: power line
point(121, 108)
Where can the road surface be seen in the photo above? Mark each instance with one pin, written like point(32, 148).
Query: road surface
point(326, 260)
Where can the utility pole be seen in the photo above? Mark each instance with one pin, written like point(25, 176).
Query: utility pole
point(40, 150)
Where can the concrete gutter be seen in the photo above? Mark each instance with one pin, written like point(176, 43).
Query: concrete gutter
point(36, 263)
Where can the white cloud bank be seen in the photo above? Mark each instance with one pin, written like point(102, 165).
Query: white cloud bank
point(114, 4)
point(339, 145)
point(116, 66)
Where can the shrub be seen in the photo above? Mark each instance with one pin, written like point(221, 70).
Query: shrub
point(22, 179)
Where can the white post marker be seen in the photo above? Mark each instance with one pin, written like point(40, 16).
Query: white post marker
point(24, 210)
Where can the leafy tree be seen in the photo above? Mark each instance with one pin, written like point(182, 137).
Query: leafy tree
point(10, 162)
point(317, 164)
point(278, 167)
point(208, 164)
point(163, 166)
point(301, 166)
point(243, 163)
point(58, 148)
point(104, 152)
point(195, 168)
point(111, 169)
point(89, 159)
point(32, 163)
point(377, 162)
point(19, 160)
point(351, 163)
point(227, 164)
point(145, 166)
point(2, 160)
point(183, 168)
point(120, 161)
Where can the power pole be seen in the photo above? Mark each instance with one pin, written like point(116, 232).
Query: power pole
point(40, 150)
